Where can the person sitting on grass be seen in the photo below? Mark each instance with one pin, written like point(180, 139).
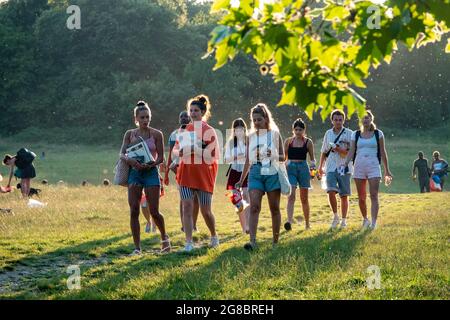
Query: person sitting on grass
point(25, 170)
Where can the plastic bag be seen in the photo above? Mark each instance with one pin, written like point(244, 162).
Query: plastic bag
point(435, 183)
point(36, 204)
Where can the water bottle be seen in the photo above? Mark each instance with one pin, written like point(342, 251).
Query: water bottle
point(387, 181)
point(323, 182)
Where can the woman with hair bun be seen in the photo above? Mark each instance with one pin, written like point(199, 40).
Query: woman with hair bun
point(144, 176)
point(198, 150)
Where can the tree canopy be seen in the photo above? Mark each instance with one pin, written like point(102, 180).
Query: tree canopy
point(322, 50)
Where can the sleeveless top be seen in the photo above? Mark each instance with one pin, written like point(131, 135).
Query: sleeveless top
point(298, 153)
point(151, 143)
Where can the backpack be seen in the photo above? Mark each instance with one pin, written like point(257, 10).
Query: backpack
point(25, 156)
point(377, 137)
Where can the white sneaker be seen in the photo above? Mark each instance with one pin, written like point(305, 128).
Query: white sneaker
point(343, 224)
point(214, 242)
point(188, 247)
point(366, 223)
point(373, 226)
point(136, 252)
point(335, 222)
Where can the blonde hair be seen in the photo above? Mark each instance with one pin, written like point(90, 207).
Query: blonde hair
point(373, 126)
point(264, 111)
point(201, 101)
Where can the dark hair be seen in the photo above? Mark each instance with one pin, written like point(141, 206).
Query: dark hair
point(84, 183)
point(420, 153)
point(239, 122)
point(106, 182)
point(337, 112)
point(7, 158)
point(201, 101)
point(45, 181)
point(299, 123)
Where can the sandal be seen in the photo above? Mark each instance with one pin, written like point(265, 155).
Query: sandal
point(165, 248)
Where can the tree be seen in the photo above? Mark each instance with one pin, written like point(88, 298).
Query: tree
point(321, 50)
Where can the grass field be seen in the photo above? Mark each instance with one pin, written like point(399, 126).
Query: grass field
point(89, 227)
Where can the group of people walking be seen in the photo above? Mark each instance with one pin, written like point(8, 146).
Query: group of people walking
point(255, 156)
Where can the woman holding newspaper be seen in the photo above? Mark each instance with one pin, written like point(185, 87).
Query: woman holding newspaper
point(143, 151)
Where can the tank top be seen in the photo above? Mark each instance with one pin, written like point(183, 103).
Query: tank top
point(298, 153)
point(151, 143)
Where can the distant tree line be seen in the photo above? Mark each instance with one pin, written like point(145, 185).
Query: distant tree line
point(58, 84)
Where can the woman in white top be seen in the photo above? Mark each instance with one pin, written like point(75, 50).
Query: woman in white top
point(367, 152)
point(235, 151)
point(264, 151)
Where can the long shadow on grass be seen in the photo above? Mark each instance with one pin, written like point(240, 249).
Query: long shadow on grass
point(255, 271)
point(192, 279)
point(79, 251)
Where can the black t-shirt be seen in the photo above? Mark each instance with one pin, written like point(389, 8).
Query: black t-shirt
point(422, 167)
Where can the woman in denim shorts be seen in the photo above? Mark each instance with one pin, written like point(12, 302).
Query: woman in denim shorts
point(296, 149)
point(264, 147)
point(145, 176)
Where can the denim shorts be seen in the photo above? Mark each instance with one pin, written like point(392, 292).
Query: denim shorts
point(298, 173)
point(144, 178)
point(265, 183)
point(338, 183)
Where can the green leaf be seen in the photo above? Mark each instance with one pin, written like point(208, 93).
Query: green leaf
point(355, 75)
point(288, 95)
point(220, 5)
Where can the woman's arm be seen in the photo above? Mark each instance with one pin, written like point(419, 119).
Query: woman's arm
point(11, 171)
point(286, 148)
point(159, 141)
point(384, 157)
point(246, 166)
point(131, 162)
point(351, 153)
point(312, 158)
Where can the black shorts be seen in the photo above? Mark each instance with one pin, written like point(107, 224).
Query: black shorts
point(25, 173)
point(233, 178)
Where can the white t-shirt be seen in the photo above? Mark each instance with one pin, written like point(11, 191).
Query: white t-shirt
point(335, 159)
point(265, 140)
point(367, 147)
point(236, 155)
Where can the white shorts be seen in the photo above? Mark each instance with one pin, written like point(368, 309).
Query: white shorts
point(366, 167)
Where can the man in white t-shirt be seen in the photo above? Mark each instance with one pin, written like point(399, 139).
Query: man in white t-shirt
point(335, 147)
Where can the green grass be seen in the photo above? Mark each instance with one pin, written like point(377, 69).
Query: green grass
point(90, 227)
point(75, 163)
